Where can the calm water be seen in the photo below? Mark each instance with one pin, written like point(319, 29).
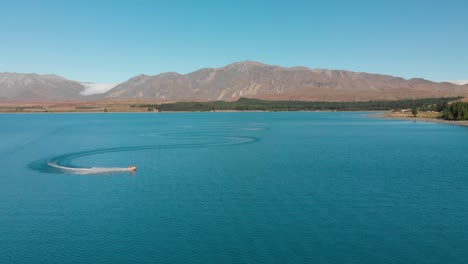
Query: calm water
point(231, 188)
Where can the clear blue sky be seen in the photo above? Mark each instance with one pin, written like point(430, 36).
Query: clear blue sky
point(111, 41)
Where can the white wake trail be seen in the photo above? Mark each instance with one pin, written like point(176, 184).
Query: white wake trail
point(92, 170)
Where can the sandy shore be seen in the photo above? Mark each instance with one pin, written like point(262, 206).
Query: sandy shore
point(399, 116)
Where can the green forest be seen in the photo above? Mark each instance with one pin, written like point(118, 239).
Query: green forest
point(245, 104)
point(455, 111)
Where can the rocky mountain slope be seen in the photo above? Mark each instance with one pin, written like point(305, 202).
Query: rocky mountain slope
point(242, 79)
point(23, 87)
point(257, 80)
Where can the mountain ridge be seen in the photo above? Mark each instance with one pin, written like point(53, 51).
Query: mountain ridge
point(272, 82)
point(250, 79)
point(33, 86)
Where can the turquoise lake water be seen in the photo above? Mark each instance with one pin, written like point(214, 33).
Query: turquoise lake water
point(231, 188)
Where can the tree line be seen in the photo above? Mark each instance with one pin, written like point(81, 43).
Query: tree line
point(246, 104)
point(456, 111)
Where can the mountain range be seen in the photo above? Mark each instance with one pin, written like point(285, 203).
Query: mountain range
point(25, 87)
point(241, 79)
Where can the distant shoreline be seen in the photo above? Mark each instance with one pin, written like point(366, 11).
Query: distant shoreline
point(378, 114)
point(175, 112)
point(391, 115)
point(241, 105)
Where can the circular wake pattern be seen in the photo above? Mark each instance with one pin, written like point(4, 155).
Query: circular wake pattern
point(63, 164)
